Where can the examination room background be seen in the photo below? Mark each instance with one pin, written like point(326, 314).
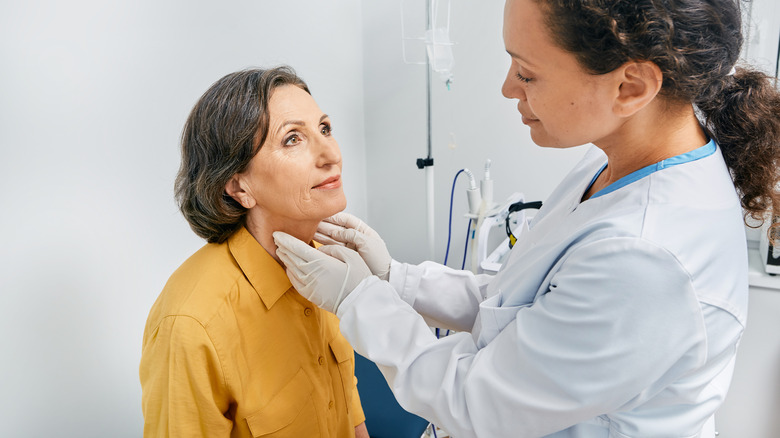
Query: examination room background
point(93, 96)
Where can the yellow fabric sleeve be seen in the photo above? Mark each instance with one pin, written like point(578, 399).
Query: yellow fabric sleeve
point(184, 392)
point(356, 410)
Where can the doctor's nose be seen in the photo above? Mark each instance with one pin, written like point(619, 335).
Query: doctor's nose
point(512, 87)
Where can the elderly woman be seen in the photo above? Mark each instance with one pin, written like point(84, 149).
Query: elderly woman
point(230, 347)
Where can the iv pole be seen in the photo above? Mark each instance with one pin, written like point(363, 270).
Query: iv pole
point(427, 163)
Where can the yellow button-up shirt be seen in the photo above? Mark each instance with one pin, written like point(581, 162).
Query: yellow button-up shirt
point(231, 349)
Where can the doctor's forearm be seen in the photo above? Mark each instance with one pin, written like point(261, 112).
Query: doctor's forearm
point(447, 298)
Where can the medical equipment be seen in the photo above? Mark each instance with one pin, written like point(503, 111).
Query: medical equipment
point(473, 193)
point(438, 57)
point(488, 216)
point(770, 254)
point(514, 226)
point(436, 38)
point(486, 187)
point(517, 206)
point(474, 200)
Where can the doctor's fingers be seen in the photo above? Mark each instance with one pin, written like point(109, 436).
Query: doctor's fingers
point(352, 238)
point(306, 261)
point(299, 282)
point(293, 264)
point(346, 220)
point(304, 275)
point(340, 253)
point(335, 233)
point(327, 240)
point(299, 259)
point(355, 268)
point(290, 244)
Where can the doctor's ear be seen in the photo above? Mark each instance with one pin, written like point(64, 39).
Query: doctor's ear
point(236, 189)
point(640, 82)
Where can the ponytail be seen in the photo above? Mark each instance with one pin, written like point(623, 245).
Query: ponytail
point(741, 113)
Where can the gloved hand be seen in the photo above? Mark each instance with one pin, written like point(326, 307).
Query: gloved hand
point(345, 229)
point(324, 276)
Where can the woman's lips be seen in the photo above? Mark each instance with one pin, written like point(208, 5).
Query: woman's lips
point(528, 120)
point(333, 182)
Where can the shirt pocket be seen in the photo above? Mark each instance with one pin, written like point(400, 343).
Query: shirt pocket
point(345, 357)
point(291, 412)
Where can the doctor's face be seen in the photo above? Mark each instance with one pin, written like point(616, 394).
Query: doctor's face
point(296, 174)
point(562, 104)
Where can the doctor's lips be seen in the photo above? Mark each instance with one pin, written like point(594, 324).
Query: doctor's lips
point(333, 182)
point(526, 119)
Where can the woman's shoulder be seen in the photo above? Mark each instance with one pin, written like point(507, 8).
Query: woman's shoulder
point(200, 285)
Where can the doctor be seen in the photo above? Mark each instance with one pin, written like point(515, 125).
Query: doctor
point(619, 312)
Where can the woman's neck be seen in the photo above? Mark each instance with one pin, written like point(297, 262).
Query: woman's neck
point(262, 229)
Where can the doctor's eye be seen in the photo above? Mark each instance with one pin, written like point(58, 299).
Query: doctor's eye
point(523, 78)
point(326, 129)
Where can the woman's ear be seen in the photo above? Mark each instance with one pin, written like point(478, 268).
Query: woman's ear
point(236, 189)
point(640, 82)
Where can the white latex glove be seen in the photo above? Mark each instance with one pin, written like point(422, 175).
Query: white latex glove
point(324, 276)
point(345, 229)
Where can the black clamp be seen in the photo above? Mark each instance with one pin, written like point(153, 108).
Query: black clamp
point(517, 206)
point(422, 163)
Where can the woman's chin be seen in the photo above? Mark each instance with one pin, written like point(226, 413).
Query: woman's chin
point(337, 208)
point(327, 210)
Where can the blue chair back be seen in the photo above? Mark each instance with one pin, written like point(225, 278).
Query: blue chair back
point(385, 418)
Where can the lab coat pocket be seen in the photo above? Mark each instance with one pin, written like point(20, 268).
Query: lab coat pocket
point(345, 357)
point(492, 318)
point(291, 412)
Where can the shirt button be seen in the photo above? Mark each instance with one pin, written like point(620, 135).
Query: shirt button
point(307, 311)
point(330, 404)
point(321, 360)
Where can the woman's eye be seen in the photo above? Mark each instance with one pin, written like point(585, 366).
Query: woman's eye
point(523, 78)
point(325, 129)
point(292, 140)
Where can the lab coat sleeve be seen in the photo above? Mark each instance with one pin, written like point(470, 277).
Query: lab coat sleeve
point(184, 391)
point(445, 297)
point(619, 322)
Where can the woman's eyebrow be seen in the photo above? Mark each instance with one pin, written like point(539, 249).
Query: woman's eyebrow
point(290, 122)
point(298, 123)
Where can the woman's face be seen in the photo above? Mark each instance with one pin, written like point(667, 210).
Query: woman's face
point(562, 104)
point(296, 175)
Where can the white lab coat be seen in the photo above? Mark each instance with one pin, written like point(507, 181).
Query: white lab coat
point(619, 316)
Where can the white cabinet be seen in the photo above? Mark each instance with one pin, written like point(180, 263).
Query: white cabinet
point(752, 407)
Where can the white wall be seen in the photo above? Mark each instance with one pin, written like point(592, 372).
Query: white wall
point(92, 99)
point(481, 121)
point(93, 96)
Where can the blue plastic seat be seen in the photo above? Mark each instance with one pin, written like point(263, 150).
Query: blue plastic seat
point(385, 418)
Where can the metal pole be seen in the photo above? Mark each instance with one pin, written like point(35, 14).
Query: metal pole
point(429, 169)
point(429, 19)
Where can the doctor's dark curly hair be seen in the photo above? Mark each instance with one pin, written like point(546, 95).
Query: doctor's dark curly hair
point(224, 131)
point(695, 43)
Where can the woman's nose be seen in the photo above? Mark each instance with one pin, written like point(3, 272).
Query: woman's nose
point(329, 152)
